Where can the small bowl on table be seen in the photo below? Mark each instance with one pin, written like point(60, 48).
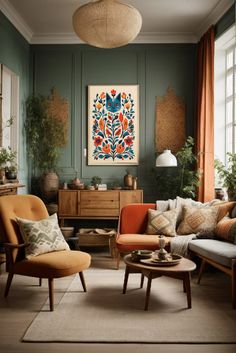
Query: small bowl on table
point(137, 255)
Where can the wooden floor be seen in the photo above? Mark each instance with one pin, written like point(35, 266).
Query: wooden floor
point(26, 298)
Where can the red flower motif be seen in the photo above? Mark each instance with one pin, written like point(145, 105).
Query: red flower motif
point(120, 148)
point(129, 140)
point(109, 117)
point(102, 95)
point(113, 92)
point(106, 149)
point(97, 141)
point(125, 124)
point(121, 117)
point(101, 124)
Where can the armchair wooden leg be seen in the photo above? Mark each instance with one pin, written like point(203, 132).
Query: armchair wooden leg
point(118, 260)
point(202, 267)
point(233, 280)
point(83, 281)
point(51, 294)
point(40, 282)
point(8, 285)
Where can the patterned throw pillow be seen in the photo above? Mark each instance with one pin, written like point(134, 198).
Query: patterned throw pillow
point(226, 229)
point(162, 223)
point(197, 219)
point(224, 207)
point(42, 236)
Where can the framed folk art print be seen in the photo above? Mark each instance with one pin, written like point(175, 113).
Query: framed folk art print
point(113, 125)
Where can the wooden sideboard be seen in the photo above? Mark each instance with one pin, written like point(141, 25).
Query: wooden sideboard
point(7, 189)
point(10, 188)
point(94, 204)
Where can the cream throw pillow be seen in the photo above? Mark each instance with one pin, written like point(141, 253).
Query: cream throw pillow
point(42, 236)
point(162, 223)
point(196, 219)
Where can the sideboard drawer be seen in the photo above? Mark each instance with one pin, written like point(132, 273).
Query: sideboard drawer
point(99, 212)
point(99, 203)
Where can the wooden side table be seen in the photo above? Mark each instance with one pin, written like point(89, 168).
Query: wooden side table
point(180, 271)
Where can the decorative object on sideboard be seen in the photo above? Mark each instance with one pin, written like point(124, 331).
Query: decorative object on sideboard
point(95, 181)
point(128, 179)
point(107, 23)
point(134, 183)
point(46, 129)
point(166, 159)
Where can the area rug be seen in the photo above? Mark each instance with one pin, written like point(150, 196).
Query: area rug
point(104, 314)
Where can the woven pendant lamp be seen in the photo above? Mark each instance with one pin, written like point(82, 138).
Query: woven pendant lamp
point(107, 23)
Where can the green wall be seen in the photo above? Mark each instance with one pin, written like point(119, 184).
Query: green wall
point(15, 54)
point(71, 68)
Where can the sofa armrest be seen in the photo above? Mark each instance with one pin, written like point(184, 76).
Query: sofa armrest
point(133, 218)
point(226, 229)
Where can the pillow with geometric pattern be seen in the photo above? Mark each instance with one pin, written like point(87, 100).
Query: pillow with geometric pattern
point(196, 219)
point(162, 223)
point(43, 236)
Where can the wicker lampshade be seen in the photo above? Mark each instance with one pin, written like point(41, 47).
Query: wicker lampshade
point(107, 23)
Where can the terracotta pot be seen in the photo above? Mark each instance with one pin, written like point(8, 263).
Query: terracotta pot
point(49, 185)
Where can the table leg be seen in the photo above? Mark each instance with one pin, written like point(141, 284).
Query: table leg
point(127, 270)
point(187, 287)
point(148, 290)
point(142, 280)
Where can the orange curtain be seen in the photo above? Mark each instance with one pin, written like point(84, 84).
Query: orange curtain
point(205, 115)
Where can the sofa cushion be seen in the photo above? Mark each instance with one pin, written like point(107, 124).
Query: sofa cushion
point(226, 229)
point(216, 250)
point(129, 242)
point(197, 219)
point(43, 236)
point(224, 208)
point(162, 223)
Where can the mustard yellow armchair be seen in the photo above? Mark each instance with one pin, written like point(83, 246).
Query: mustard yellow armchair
point(49, 265)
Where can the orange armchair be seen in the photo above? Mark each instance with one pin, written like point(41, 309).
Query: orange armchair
point(132, 225)
point(50, 265)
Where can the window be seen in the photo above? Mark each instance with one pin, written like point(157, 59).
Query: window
point(230, 123)
point(9, 116)
point(225, 95)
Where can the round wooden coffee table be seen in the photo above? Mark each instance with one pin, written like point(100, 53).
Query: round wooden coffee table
point(180, 271)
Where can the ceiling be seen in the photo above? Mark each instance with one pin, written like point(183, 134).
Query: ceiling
point(164, 21)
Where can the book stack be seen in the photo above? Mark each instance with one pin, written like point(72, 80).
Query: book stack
point(102, 186)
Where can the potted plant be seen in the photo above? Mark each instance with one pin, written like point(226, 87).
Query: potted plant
point(7, 162)
point(227, 174)
point(46, 132)
point(95, 181)
point(11, 166)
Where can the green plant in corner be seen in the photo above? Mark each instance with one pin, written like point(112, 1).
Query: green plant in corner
point(227, 174)
point(46, 130)
point(182, 180)
point(44, 134)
